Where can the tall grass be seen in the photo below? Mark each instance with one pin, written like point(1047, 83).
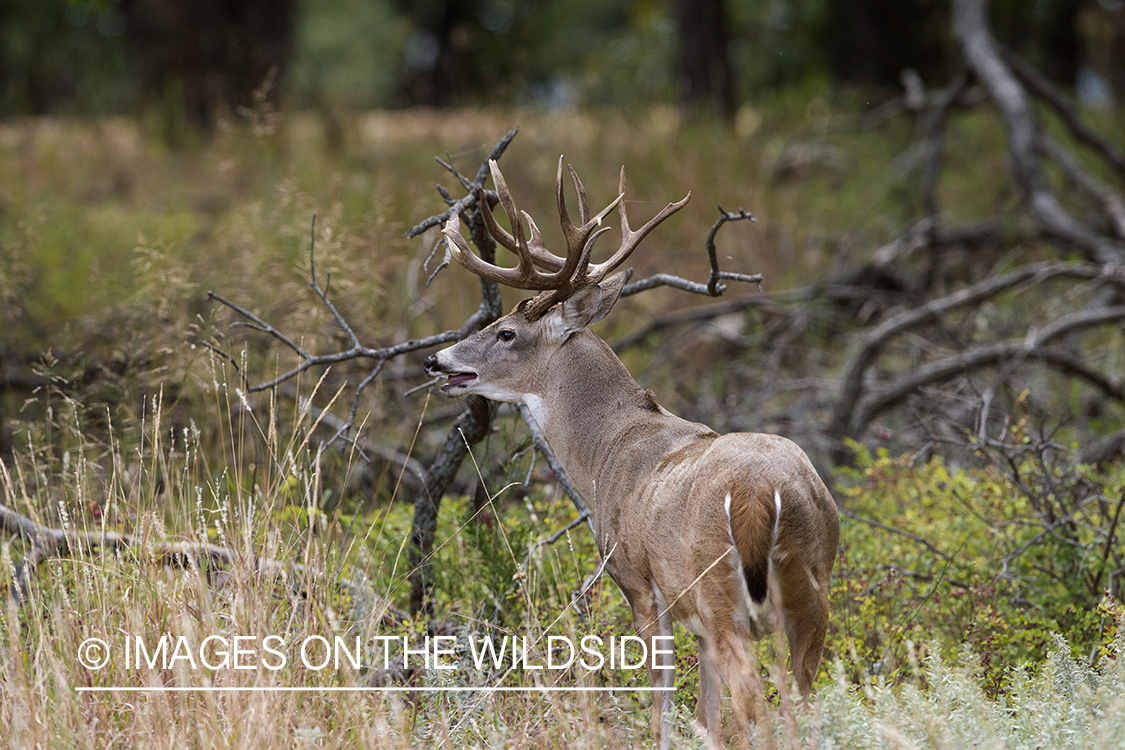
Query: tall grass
point(260, 496)
point(163, 489)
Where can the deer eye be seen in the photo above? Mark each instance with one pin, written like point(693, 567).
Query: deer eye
point(506, 335)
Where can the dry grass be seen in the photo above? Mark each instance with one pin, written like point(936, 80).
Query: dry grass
point(108, 244)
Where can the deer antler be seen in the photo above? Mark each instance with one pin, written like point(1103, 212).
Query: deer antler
point(538, 268)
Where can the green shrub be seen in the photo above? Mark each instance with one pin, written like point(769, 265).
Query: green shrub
point(996, 557)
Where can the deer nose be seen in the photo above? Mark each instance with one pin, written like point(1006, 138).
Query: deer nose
point(431, 364)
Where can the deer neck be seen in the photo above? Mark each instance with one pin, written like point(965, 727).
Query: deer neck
point(602, 426)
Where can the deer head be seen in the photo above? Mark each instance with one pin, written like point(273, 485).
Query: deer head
point(573, 292)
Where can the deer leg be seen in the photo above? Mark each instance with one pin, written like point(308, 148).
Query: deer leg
point(732, 657)
point(806, 642)
point(710, 693)
point(651, 618)
point(805, 602)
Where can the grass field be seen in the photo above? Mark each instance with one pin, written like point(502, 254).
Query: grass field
point(109, 243)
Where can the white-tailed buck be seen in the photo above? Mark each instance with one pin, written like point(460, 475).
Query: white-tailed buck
point(717, 532)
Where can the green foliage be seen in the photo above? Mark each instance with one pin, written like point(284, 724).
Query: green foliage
point(63, 56)
point(972, 557)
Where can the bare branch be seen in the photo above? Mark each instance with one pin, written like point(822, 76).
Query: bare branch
point(1045, 90)
point(847, 401)
point(323, 293)
point(714, 288)
point(933, 125)
point(262, 325)
point(984, 59)
point(47, 542)
point(470, 200)
point(983, 356)
point(1111, 200)
point(900, 532)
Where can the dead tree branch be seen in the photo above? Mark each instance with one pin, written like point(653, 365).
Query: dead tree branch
point(713, 287)
point(987, 355)
point(46, 542)
point(848, 420)
point(984, 59)
point(1046, 91)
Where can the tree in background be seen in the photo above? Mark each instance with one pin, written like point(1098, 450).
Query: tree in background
point(58, 57)
point(210, 55)
point(194, 59)
point(704, 68)
point(873, 41)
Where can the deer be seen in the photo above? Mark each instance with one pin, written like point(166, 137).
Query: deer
point(734, 536)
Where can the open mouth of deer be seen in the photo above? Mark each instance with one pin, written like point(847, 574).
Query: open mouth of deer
point(458, 378)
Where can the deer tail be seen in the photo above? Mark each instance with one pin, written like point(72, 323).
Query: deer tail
point(753, 515)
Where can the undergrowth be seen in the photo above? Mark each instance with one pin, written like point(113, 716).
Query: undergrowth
point(929, 646)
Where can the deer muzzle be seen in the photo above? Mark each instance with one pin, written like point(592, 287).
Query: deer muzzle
point(457, 380)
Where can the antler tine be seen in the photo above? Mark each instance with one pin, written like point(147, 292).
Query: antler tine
point(543, 257)
point(629, 238)
point(576, 236)
point(517, 278)
point(515, 241)
point(580, 191)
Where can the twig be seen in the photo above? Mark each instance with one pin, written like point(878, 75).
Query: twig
point(900, 532)
point(415, 476)
point(714, 288)
point(470, 200)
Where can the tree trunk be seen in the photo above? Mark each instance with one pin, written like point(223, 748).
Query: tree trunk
point(704, 70)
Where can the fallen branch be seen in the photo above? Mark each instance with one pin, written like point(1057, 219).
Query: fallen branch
point(984, 356)
point(47, 542)
point(846, 420)
point(984, 59)
point(1046, 91)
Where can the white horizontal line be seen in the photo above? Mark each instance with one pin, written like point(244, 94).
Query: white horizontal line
point(329, 689)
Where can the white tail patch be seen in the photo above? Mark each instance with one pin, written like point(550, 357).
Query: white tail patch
point(776, 521)
point(730, 530)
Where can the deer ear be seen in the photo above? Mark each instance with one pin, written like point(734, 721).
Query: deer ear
point(591, 304)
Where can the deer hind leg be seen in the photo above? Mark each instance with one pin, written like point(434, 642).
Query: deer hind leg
point(728, 650)
point(651, 618)
point(805, 600)
point(708, 720)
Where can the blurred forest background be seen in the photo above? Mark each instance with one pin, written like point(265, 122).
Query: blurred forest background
point(193, 60)
point(941, 229)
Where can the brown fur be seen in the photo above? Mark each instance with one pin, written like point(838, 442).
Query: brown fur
point(752, 516)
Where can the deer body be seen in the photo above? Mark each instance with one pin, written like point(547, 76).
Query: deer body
point(733, 536)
